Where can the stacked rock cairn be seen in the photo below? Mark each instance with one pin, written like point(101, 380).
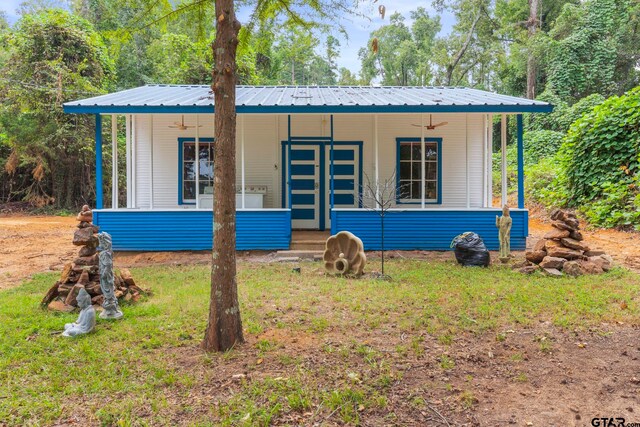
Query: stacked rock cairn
point(83, 273)
point(563, 250)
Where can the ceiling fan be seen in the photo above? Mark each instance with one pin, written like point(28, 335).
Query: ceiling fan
point(181, 125)
point(431, 126)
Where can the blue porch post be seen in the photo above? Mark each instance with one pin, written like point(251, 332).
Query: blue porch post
point(520, 163)
point(289, 192)
point(98, 161)
point(331, 159)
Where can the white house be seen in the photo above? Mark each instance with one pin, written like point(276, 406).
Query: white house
point(289, 141)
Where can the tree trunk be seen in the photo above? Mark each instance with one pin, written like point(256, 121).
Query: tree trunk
point(382, 241)
point(224, 329)
point(532, 25)
point(458, 56)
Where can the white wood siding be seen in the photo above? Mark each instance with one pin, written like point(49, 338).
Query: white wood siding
point(462, 137)
point(261, 155)
point(143, 159)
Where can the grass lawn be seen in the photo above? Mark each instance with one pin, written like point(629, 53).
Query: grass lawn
point(320, 350)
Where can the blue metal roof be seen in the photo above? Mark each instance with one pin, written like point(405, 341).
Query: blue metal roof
point(308, 99)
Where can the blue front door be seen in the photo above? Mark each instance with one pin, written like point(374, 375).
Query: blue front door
point(306, 173)
point(311, 181)
point(346, 177)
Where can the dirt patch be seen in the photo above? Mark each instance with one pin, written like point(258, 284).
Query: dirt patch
point(290, 339)
point(525, 377)
point(532, 377)
point(145, 259)
point(34, 244)
point(623, 246)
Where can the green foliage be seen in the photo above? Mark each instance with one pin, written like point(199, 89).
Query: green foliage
point(583, 51)
point(540, 144)
point(618, 205)
point(53, 57)
point(177, 59)
point(33, 7)
point(404, 53)
point(465, 55)
point(512, 168)
point(4, 22)
point(347, 78)
point(51, 46)
point(294, 60)
point(596, 167)
point(593, 49)
point(276, 54)
point(577, 110)
point(545, 183)
point(601, 160)
point(563, 114)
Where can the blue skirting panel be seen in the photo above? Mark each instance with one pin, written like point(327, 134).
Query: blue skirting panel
point(428, 229)
point(175, 230)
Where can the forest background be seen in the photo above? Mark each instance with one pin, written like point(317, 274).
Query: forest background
point(582, 56)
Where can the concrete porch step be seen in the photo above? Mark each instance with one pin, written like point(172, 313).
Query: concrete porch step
point(291, 255)
point(307, 245)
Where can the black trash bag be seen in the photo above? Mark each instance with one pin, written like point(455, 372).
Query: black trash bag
point(470, 250)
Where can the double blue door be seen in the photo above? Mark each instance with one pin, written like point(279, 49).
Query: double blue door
point(310, 191)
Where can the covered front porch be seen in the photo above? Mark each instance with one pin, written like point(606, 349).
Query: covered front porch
point(307, 166)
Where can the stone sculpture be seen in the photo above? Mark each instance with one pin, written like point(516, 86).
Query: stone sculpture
point(85, 215)
point(86, 320)
point(105, 262)
point(344, 254)
point(83, 272)
point(504, 233)
point(563, 250)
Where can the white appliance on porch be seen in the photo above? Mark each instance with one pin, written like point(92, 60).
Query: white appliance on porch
point(253, 197)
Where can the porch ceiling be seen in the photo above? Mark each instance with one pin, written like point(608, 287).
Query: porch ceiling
point(184, 99)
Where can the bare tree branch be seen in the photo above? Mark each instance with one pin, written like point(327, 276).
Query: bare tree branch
point(379, 197)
